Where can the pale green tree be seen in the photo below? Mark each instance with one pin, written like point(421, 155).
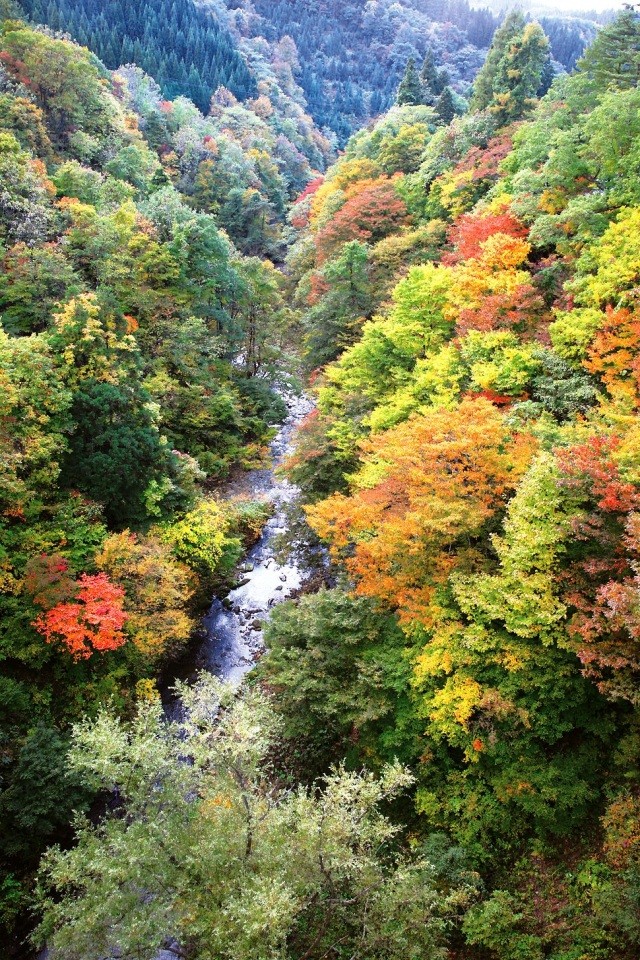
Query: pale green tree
point(203, 852)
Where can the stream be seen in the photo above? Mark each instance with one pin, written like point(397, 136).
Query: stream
point(230, 638)
point(231, 632)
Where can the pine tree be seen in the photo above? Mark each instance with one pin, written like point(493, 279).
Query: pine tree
point(445, 106)
point(519, 74)
point(614, 55)
point(410, 89)
point(483, 88)
point(429, 77)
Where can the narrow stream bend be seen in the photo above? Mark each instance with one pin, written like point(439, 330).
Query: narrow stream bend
point(231, 635)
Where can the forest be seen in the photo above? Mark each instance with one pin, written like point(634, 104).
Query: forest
point(437, 755)
point(346, 75)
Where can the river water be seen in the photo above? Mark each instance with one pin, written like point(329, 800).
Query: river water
point(231, 638)
point(230, 635)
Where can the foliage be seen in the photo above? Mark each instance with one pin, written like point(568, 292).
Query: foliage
point(41, 797)
point(425, 486)
point(288, 872)
point(205, 59)
point(201, 540)
point(157, 592)
point(91, 621)
point(137, 354)
point(329, 693)
point(473, 471)
point(463, 284)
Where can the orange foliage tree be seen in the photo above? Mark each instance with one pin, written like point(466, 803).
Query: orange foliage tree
point(471, 231)
point(493, 289)
point(428, 488)
point(614, 354)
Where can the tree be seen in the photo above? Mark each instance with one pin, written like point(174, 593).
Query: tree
point(115, 451)
point(522, 730)
point(410, 91)
point(445, 106)
point(260, 312)
point(371, 213)
point(67, 86)
point(40, 797)
point(35, 422)
point(613, 59)
point(613, 354)
point(426, 486)
point(157, 590)
point(334, 321)
point(470, 231)
point(203, 541)
point(335, 665)
point(483, 88)
point(25, 210)
point(209, 854)
point(519, 74)
point(402, 151)
point(433, 81)
point(91, 621)
point(33, 282)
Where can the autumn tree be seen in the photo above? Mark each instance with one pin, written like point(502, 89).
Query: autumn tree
point(90, 622)
point(369, 215)
point(157, 590)
point(426, 487)
point(491, 670)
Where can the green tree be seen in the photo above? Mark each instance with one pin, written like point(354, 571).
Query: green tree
point(34, 412)
point(410, 91)
point(115, 450)
point(34, 281)
point(25, 209)
point(519, 74)
point(433, 80)
point(483, 88)
point(209, 854)
point(335, 320)
point(336, 663)
point(613, 59)
point(67, 85)
point(445, 106)
point(37, 803)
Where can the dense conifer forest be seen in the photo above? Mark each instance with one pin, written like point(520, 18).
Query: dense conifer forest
point(179, 44)
point(347, 58)
point(437, 754)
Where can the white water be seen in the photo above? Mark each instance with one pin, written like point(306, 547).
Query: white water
point(232, 636)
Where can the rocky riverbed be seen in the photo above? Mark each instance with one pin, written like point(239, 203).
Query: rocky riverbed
point(231, 632)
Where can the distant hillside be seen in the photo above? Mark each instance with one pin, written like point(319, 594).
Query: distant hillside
point(345, 62)
point(183, 47)
point(352, 54)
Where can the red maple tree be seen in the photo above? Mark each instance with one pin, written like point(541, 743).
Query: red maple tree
point(92, 621)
